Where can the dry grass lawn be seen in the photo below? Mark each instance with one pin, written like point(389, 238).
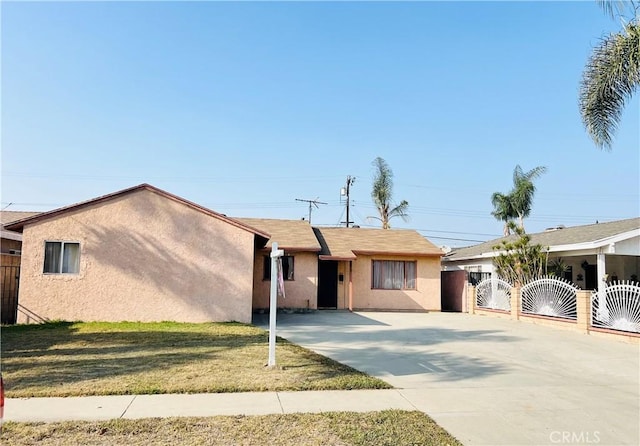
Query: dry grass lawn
point(393, 428)
point(75, 359)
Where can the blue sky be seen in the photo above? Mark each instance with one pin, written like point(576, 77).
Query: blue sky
point(244, 107)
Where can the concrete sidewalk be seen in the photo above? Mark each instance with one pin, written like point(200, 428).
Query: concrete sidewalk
point(201, 405)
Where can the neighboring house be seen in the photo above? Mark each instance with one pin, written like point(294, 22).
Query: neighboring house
point(377, 269)
point(11, 241)
point(593, 253)
point(139, 254)
point(300, 263)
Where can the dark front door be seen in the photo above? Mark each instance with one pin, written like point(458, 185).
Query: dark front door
point(327, 284)
point(590, 277)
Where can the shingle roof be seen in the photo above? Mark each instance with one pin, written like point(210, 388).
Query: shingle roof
point(19, 224)
point(291, 235)
point(566, 236)
point(7, 217)
point(346, 243)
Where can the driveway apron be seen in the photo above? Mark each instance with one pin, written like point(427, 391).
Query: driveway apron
point(488, 381)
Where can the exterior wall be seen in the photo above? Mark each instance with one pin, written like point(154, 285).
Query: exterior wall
point(143, 257)
point(300, 293)
point(630, 247)
point(477, 265)
point(426, 296)
point(343, 287)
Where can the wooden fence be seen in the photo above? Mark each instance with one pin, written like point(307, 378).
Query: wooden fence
point(9, 283)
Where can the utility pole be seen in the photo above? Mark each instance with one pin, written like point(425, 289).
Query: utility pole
point(345, 191)
point(311, 204)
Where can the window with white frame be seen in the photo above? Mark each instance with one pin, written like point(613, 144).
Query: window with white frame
point(393, 275)
point(61, 257)
point(287, 268)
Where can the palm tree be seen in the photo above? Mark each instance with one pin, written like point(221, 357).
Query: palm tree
point(517, 203)
point(523, 191)
point(382, 192)
point(503, 210)
point(611, 77)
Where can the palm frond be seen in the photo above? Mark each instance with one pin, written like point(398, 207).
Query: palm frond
point(400, 210)
point(615, 8)
point(610, 78)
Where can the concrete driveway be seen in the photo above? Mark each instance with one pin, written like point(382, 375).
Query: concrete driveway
point(488, 381)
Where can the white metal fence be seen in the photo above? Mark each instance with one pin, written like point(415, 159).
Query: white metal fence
point(494, 293)
point(617, 307)
point(550, 296)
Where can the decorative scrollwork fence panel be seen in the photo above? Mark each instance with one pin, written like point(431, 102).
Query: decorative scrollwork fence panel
point(617, 307)
point(494, 293)
point(550, 296)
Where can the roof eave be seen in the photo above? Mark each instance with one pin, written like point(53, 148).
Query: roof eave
point(293, 248)
point(340, 258)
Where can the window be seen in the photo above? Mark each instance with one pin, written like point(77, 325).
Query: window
point(477, 277)
point(287, 268)
point(61, 257)
point(393, 275)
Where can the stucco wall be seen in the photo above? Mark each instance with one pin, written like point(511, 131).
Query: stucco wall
point(426, 296)
point(143, 257)
point(302, 292)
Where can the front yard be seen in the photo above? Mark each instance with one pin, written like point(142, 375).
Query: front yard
point(77, 359)
point(391, 427)
point(97, 358)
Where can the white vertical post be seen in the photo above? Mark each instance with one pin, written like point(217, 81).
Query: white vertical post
point(273, 303)
point(600, 273)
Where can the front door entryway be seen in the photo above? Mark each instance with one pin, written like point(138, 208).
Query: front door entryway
point(327, 284)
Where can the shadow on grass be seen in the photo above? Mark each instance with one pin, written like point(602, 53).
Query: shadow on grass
point(62, 359)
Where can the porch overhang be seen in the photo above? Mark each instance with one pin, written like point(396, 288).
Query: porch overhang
point(337, 258)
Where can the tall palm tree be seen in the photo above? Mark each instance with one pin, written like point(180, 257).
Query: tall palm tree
point(611, 76)
point(523, 191)
point(382, 192)
point(503, 210)
point(517, 203)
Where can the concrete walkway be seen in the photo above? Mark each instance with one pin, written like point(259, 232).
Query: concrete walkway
point(487, 381)
point(201, 405)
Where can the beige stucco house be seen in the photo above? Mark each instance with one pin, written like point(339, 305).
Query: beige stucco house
point(139, 254)
point(143, 254)
point(377, 269)
point(300, 263)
